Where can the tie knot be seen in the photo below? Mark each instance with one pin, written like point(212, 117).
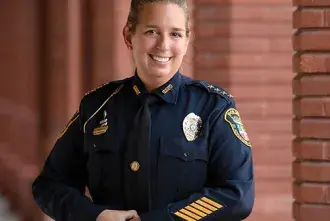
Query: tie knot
point(150, 99)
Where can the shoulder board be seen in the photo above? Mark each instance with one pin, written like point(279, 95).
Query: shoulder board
point(212, 89)
point(108, 83)
point(95, 89)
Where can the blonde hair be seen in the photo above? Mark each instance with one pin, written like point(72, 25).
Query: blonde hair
point(137, 5)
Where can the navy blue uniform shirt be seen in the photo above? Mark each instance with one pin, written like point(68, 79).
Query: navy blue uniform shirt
point(200, 160)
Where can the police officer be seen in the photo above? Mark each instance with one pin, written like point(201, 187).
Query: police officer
point(155, 146)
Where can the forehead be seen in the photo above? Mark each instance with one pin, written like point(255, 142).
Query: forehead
point(166, 15)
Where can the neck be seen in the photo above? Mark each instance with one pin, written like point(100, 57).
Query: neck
point(154, 82)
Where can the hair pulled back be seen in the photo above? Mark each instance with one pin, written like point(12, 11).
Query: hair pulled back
point(137, 5)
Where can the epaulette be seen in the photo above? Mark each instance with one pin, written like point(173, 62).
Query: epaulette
point(212, 88)
point(114, 83)
point(93, 90)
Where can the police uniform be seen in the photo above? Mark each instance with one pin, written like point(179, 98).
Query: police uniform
point(195, 165)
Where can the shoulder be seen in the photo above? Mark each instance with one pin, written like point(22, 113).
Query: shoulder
point(210, 89)
point(96, 99)
point(105, 90)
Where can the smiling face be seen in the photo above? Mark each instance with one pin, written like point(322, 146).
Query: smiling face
point(159, 41)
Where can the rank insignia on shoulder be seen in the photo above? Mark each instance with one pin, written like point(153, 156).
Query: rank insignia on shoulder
point(192, 126)
point(73, 119)
point(233, 118)
point(103, 125)
point(212, 88)
point(218, 90)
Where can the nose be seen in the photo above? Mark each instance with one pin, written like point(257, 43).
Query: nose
point(163, 43)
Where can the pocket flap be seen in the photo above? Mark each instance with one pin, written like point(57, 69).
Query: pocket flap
point(103, 143)
point(183, 149)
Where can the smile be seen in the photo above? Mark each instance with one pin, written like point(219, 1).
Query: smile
point(160, 59)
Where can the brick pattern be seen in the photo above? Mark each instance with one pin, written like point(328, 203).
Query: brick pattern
point(245, 46)
point(311, 107)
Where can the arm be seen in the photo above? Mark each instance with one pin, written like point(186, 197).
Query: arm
point(229, 192)
point(59, 189)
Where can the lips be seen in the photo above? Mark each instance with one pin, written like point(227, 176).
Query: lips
point(160, 59)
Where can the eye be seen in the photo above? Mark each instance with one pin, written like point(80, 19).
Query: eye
point(151, 32)
point(176, 35)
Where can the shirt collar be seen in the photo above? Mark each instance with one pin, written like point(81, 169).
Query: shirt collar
point(168, 91)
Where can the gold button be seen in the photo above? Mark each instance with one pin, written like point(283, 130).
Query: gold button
point(135, 166)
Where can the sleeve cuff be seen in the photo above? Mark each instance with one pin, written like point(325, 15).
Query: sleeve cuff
point(87, 210)
point(159, 215)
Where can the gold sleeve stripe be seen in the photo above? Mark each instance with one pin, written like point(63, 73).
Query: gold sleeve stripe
point(187, 218)
point(200, 213)
point(186, 212)
point(200, 202)
point(207, 200)
point(67, 127)
point(201, 208)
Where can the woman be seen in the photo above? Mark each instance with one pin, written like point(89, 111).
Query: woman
point(156, 146)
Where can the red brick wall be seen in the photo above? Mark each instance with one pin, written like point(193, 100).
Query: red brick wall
point(245, 46)
point(19, 119)
point(311, 107)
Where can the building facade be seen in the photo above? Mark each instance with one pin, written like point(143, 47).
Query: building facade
point(52, 52)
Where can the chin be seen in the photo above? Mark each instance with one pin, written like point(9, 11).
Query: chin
point(156, 72)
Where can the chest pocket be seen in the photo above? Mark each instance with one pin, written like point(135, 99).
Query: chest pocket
point(182, 165)
point(104, 163)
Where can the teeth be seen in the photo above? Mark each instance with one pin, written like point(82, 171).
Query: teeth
point(160, 59)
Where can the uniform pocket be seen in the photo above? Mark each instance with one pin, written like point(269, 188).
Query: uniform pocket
point(104, 163)
point(184, 150)
point(182, 165)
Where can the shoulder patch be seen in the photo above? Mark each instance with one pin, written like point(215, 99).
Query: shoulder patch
point(212, 88)
point(233, 118)
point(73, 119)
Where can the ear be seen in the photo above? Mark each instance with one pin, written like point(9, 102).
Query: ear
point(127, 37)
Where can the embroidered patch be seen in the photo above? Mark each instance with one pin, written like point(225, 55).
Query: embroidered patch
point(103, 125)
point(233, 118)
point(73, 119)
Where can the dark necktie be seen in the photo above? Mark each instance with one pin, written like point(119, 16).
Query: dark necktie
point(137, 159)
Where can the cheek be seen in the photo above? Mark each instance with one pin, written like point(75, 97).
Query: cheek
point(144, 45)
point(179, 50)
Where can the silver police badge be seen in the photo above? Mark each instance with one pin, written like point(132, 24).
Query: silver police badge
point(192, 125)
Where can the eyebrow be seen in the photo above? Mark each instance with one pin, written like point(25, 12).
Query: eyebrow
point(155, 26)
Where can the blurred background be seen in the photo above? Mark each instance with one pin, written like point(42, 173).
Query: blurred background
point(53, 51)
